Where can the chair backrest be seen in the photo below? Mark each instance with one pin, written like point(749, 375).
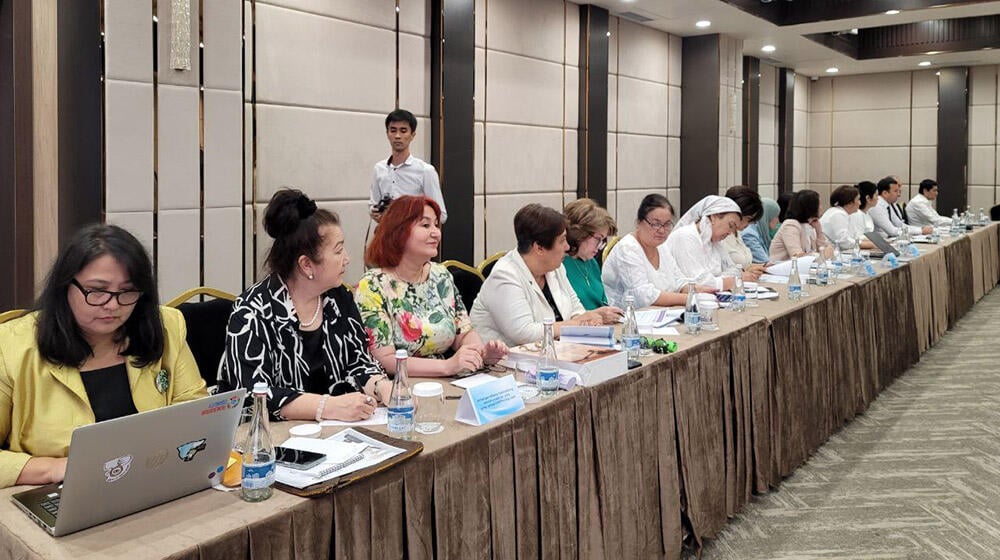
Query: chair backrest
point(206, 328)
point(607, 249)
point(12, 314)
point(468, 280)
point(486, 266)
point(995, 213)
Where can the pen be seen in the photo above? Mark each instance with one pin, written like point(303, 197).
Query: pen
point(452, 397)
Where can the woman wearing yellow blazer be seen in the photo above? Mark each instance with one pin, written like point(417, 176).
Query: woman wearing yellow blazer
point(97, 347)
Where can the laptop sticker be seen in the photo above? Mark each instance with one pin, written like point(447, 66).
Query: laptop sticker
point(188, 450)
point(162, 381)
point(115, 469)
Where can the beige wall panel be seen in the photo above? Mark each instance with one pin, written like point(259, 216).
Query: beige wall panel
point(128, 122)
point(165, 74)
point(627, 206)
point(328, 154)
point(223, 148)
point(801, 128)
point(247, 51)
point(982, 165)
point(380, 13)
point(982, 124)
point(769, 191)
point(673, 111)
point(765, 127)
point(767, 159)
point(572, 34)
point(800, 165)
point(612, 208)
point(925, 89)
point(500, 210)
point(673, 162)
point(801, 93)
point(532, 28)
point(128, 36)
point(479, 235)
point(480, 16)
point(923, 165)
point(248, 162)
point(674, 65)
point(819, 165)
point(642, 162)
point(820, 125)
point(179, 261)
point(768, 81)
point(851, 165)
point(889, 127)
point(179, 183)
point(524, 90)
point(674, 196)
point(612, 103)
point(251, 266)
point(223, 249)
point(820, 95)
point(570, 171)
point(823, 189)
point(924, 127)
point(571, 96)
point(983, 85)
point(223, 45)
point(523, 159)
point(642, 107)
point(981, 197)
point(644, 52)
point(414, 75)
point(479, 156)
point(322, 62)
point(613, 39)
point(612, 161)
point(480, 85)
point(871, 91)
point(139, 224)
point(354, 221)
point(415, 17)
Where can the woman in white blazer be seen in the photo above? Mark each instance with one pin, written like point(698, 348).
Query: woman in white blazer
point(528, 284)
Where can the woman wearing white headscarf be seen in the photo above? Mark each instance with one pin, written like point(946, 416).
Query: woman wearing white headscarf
point(696, 242)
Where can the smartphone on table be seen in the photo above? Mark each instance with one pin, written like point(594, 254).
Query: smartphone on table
point(296, 458)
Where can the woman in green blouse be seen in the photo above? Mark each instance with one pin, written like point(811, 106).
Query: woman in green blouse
point(587, 233)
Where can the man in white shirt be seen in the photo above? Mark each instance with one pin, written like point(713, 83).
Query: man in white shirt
point(402, 174)
point(920, 210)
point(887, 216)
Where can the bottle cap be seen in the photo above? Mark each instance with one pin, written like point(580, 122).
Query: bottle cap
point(709, 304)
point(428, 389)
point(401, 354)
point(305, 430)
point(260, 388)
point(630, 299)
point(548, 320)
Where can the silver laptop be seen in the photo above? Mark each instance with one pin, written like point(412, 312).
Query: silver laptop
point(128, 464)
point(883, 246)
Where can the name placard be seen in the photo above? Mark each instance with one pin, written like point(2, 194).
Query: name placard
point(489, 401)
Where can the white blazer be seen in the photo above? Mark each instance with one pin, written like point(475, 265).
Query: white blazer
point(510, 306)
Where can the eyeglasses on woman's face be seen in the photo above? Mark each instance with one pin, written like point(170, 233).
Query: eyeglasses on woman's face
point(102, 297)
point(602, 240)
point(659, 226)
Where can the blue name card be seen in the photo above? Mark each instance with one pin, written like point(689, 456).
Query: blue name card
point(489, 401)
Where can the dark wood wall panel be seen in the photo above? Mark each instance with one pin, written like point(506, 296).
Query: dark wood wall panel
point(953, 138)
point(751, 121)
point(592, 149)
point(699, 119)
point(786, 129)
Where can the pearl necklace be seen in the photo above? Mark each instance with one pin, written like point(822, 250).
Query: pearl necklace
point(319, 304)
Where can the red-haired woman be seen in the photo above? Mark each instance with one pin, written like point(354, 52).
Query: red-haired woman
point(410, 302)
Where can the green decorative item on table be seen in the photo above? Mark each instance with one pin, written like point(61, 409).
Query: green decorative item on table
point(659, 345)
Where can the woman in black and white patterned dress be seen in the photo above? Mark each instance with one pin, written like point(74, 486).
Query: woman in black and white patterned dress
point(299, 330)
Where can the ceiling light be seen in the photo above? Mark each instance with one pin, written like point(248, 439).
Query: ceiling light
point(924, 63)
point(933, 52)
point(768, 48)
point(702, 24)
point(832, 70)
point(891, 12)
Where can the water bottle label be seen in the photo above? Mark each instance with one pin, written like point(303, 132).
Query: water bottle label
point(400, 418)
point(548, 378)
point(693, 319)
point(739, 298)
point(794, 289)
point(631, 343)
point(258, 476)
point(869, 268)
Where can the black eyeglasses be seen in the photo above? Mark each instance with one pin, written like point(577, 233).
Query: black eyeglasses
point(602, 241)
point(659, 226)
point(102, 297)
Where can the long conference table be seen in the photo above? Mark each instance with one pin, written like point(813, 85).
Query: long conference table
point(625, 469)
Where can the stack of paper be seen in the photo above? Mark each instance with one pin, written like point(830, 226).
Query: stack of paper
point(346, 452)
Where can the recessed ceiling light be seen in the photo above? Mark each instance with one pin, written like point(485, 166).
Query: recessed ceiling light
point(702, 24)
point(891, 12)
point(768, 48)
point(937, 73)
point(924, 63)
point(832, 70)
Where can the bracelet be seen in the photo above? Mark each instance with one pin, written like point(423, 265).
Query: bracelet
point(374, 381)
point(320, 407)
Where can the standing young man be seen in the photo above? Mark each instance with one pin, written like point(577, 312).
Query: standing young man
point(402, 174)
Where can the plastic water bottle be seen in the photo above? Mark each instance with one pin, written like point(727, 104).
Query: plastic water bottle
point(739, 301)
point(795, 282)
point(692, 315)
point(955, 222)
point(401, 408)
point(258, 451)
point(547, 377)
point(857, 261)
point(822, 272)
point(836, 264)
point(982, 217)
point(630, 331)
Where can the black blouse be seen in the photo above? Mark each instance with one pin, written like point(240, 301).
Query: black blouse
point(109, 392)
point(264, 343)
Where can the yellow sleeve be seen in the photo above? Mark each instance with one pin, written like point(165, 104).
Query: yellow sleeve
point(11, 462)
point(186, 381)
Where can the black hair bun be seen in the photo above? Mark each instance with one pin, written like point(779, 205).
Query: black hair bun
point(287, 209)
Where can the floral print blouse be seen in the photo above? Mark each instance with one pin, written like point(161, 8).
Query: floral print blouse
point(424, 318)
